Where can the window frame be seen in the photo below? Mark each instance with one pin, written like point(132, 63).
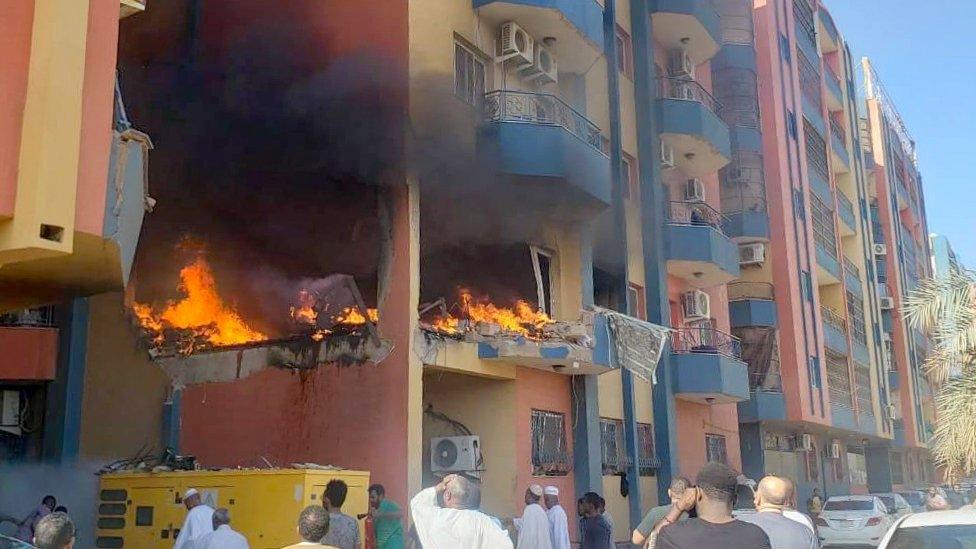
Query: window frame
point(612, 450)
point(639, 302)
point(476, 57)
point(647, 460)
point(628, 168)
point(560, 466)
point(713, 437)
point(625, 52)
point(547, 304)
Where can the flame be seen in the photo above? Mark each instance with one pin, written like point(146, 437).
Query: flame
point(304, 313)
point(351, 316)
point(201, 310)
point(520, 319)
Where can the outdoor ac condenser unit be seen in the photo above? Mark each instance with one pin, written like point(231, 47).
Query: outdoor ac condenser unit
point(450, 454)
point(681, 64)
point(880, 249)
point(697, 305)
point(752, 254)
point(516, 45)
point(887, 303)
point(543, 68)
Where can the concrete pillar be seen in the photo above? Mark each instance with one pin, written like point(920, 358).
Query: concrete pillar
point(62, 418)
point(879, 468)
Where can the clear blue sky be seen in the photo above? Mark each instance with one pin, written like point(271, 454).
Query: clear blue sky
point(925, 53)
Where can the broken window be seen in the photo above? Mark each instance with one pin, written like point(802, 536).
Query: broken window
point(469, 75)
point(550, 454)
point(542, 267)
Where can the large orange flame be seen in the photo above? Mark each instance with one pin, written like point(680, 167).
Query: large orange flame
point(201, 310)
point(520, 319)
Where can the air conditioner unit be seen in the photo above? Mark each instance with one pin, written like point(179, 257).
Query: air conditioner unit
point(694, 190)
point(697, 305)
point(880, 249)
point(455, 453)
point(516, 44)
point(887, 303)
point(752, 254)
point(805, 442)
point(10, 412)
point(681, 64)
point(667, 155)
point(835, 450)
point(886, 337)
point(543, 66)
point(891, 411)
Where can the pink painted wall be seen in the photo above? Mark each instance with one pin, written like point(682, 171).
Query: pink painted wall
point(15, 47)
point(96, 117)
point(29, 354)
point(540, 390)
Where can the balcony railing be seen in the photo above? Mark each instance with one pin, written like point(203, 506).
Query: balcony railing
point(705, 339)
point(38, 317)
point(851, 269)
point(769, 382)
point(695, 213)
point(829, 72)
point(739, 291)
point(837, 131)
point(540, 108)
point(686, 89)
point(833, 319)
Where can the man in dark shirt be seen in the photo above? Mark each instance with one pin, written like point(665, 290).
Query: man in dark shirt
point(714, 527)
point(595, 531)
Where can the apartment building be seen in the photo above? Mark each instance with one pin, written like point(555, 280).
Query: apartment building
point(945, 262)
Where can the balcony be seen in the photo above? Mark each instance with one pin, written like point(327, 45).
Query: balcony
point(131, 7)
point(902, 193)
point(827, 35)
point(751, 304)
point(852, 277)
point(707, 366)
point(845, 210)
point(690, 24)
point(840, 159)
point(691, 126)
point(835, 93)
point(763, 406)
point(29, 340)
point(697, 249)
point(743, 199)
point(835, 331)
point(828, 266)
point(577, 26)
point(551, 152)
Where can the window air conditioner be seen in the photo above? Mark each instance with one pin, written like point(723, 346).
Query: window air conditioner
point(880, 249)
point(455, 454)
point(694, 190)
point(516, 44)
point(752, 254)
point(697, 305)
point(887, 303)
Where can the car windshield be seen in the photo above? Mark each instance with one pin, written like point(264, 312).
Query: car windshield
point(913, 498)
point(954, 536)
point(889, 501)
point(849, 505)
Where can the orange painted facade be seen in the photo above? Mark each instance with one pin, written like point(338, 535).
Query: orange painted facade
point(29, 354)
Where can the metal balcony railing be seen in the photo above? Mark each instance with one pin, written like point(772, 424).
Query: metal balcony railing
point(541, 108)
point(695, 213)
point(829, 72)
point(845, 203)
point(837, 131)
point(686, 89)
point(38, 317)
point(769, 382)
point(739, 291)
point(833, 319)
point(851, 269)
point(828, 23)
point(704, 338)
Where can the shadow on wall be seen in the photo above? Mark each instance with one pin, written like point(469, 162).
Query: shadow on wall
point(75, 486)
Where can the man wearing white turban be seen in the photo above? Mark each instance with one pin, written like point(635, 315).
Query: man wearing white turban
point(533, 527)
point(558, 523)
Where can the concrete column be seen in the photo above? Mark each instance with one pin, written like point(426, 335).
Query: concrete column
point(62, 418)
point(587, 456)
point(879, 468)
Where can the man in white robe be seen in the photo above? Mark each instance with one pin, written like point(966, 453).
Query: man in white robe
point(198, 522)
point(447, 517)
point(533, 527)
point(558, 522)
point(222, 537)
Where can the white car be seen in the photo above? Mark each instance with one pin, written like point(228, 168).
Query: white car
point(853, 520)
point(933, 530)
point(897, 505)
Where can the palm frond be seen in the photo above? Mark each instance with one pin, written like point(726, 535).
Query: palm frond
point(954, 441)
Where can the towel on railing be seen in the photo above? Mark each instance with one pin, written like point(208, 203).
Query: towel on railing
point(638, 344)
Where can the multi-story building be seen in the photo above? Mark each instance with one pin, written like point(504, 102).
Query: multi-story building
point(902, 257)
point(945, 262)
point(808, 314)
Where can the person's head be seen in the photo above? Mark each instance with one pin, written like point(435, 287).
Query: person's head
point(551, 496)
point(313, 523)
point(773, 493)
point(335, 494)
point(591, 504)
point(55, 531)
point(678, 487)
point(221, 517)
point(49, 502)
point(376, 494)
point(191, 498)
point(581, 507)
point(716, 489)
point(533, 494)
point(460, 492)
point(61, 509)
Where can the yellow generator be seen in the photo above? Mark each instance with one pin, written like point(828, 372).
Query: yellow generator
point(145, 510)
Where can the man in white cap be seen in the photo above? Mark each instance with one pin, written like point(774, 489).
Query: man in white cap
point(533, 527)
point(558, 523)
point(199, 520)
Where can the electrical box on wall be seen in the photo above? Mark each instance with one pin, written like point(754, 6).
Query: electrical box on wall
point(10, 411)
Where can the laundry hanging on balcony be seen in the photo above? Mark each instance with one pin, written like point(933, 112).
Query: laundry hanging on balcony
point(637, 344)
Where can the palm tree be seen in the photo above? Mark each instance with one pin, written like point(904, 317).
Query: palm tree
point(945, 309)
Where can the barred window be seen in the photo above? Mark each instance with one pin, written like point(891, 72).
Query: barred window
point(862, 382)
point(715, 449)
point(646, 458)
point(469, 75)
point(611, 443)
point(839, 380)
point(803, 15)
point(809, 80)
point(550, 456)
point(855, 318)
point(823, 225)
point(816, 149)
point(813, 466)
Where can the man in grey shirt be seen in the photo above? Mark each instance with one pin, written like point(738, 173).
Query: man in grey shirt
point(772, 496)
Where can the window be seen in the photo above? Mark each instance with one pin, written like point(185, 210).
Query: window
point(839, 380)
point(799, 207)
point(897, 468)
point(715, 449)
point(629, 178)
point(855, 318)
point(814, 365)
point(806, 285)
point(816, 149)
point(550, 456)
point(636, 298)
point(813, 467)
point(469, 75)
point(823, 225)
point(611, 438)
point(625, 54)
point(791, 128)
point(837, 468)
point(542, 268)
point(857, 468)
point(647, 460)
point(784, 47)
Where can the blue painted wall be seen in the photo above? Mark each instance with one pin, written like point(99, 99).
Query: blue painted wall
point(762, 406)
point(680, 116)
point(703, 243)
point(703, 10)
point(702, 373)
point(752, 312)
point(585, 15)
